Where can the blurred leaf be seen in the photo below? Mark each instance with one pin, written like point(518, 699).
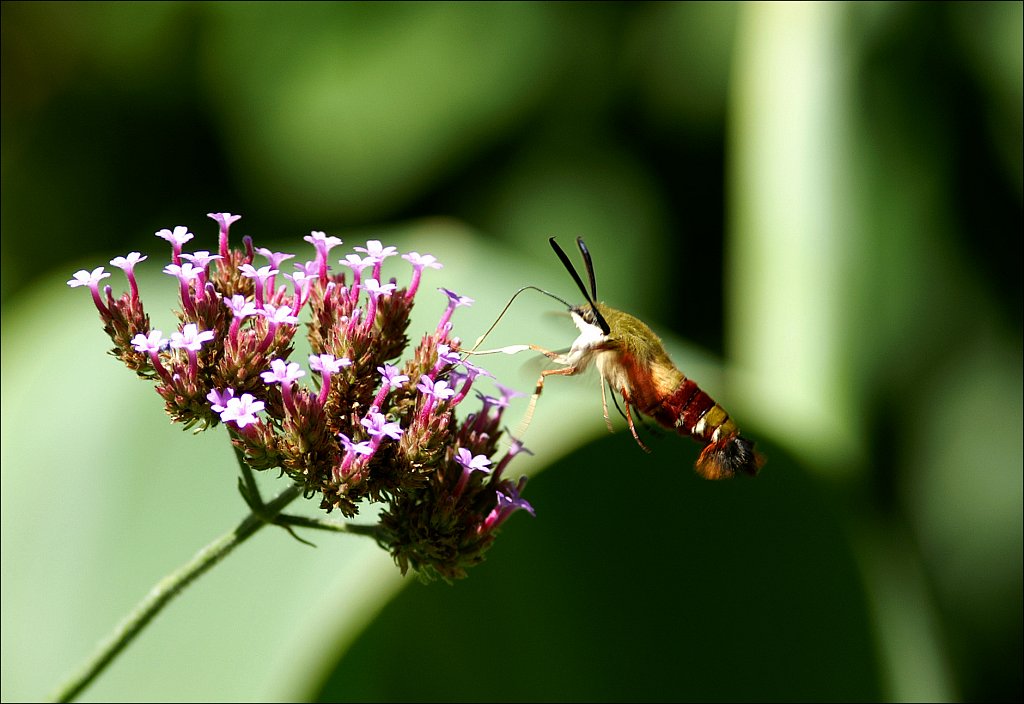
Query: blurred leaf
point(376, 102)
point(636, 582)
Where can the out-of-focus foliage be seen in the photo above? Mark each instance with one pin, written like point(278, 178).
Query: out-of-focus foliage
point(827, 195)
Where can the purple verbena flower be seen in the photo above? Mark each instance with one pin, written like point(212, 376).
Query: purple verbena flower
point(274, 259)
point(454, 301)
point(179, 236)
point(434, 391)
point(327, 364)
point(378, 253)
point(470, 463)
point(282, 372)
point(152, 344)
point(219, 399)
point(508, 501)
point(191, 340)
point(391, 380)
point(419, 263)
point(242, 410)
point(264, 277)
point(224, 220)
point(201, 259)
point(323, 245)
point(514, 448)
point(92, 280)
point(285, 374)
point(378, 426)
point(302, 283)
point(374, 290)
point(186, 273)
point(127, 265)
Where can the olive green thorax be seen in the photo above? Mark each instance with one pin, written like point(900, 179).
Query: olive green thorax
point(633, 336)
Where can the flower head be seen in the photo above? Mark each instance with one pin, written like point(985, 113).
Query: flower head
point(383, 425)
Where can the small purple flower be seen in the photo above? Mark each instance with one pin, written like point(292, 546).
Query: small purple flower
point(378, 253)
point(374, 290)
point(264, 277)
point(391, 380)
point(377, 426)
point(302, 283)
point(186, 274)
point(419, 263)
point(454, 301)
point(285, 374)
point(282, 372)
point(473, 463)
point(508, 501)
point(435, 389)
point(190, 338)
point(276, 316)
point(470, 463)
point(514, 449)
point(179, 236)
point(152, 344)
point(92, 280)
point(219, 399)
point(241, 307)
point(242, 410)
point(359, 448)
point(356, 263)
point(327, 365)
point(323, 245)
point(224, 220)
point(446, 356)
point(201, 259)
point(507, 394)
point(274, 259)
point(472, 372)
point(280, 315)
point(127, 265)
point(353, 452)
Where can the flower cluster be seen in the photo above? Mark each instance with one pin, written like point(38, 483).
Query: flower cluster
point(366, 427)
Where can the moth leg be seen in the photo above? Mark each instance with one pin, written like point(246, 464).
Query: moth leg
point(558, 357)
point(604, 405)
point(528, 416)
point(629, 419)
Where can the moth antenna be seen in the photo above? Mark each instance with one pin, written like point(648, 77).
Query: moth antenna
point(590, 266)
point(605, 328)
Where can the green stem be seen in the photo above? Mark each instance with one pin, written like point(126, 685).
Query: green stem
point(169, 587)
point(253, 497)
point(321, 524)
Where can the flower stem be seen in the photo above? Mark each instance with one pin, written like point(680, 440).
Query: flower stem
point(168, 588)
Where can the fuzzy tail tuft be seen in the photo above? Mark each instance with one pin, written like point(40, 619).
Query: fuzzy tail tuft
point(729, 455)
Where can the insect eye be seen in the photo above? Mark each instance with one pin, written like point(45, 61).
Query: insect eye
point(587, 313)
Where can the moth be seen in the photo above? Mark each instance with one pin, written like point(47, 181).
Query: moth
point(633, 364)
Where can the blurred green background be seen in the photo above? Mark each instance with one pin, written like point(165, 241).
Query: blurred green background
point(817, 205)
